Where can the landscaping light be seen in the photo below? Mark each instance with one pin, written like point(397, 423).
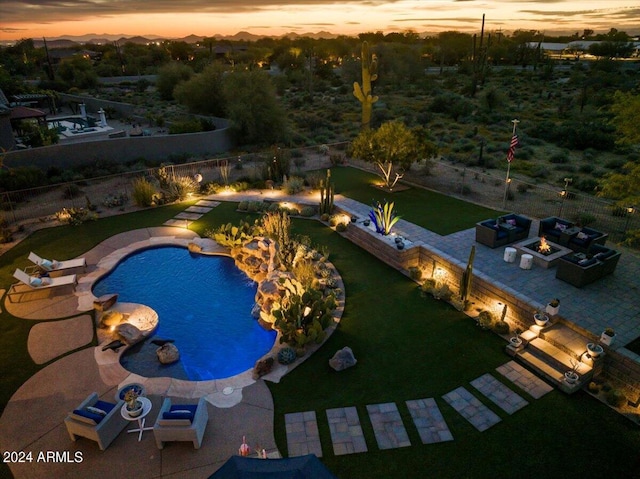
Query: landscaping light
point(197, 177)
point(306, 311)
point(439, 274)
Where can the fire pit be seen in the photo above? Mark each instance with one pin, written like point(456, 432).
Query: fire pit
point(545, 253)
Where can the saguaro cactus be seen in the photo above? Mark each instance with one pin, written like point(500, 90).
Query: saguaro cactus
point(465, 281)
point(363, 93)
point(326, 195)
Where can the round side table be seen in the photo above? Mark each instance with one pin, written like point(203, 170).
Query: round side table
point(526, 261)
point(146, 409)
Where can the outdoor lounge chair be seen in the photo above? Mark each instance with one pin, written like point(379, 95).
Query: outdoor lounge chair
point(53, 265)
point(89, 421)
point(34, 283)
point(181, 423)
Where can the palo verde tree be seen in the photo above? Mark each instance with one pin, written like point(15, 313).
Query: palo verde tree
point(625, 109)
point(392, 148)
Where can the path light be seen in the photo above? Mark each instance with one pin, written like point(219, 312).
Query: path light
point(630, 210)
point(439, 274)
point(198, 178)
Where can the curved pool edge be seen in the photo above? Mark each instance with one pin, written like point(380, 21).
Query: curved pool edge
point(222, 393)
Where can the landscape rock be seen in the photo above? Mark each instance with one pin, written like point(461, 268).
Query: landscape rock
point(343, 359)
point(129, 333)
point(168, 353)
point(105, 302)
point(262, 367)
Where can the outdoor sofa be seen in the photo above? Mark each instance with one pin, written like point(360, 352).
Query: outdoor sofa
point(504, 230)
point(582, 269)
point(581, 239)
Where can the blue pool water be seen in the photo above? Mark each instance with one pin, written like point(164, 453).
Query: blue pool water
point(203, 303)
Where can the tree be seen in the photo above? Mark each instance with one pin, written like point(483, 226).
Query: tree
point(253, 108)
point(77, 71)
point(392, 148)
point(623, 187)
point(202, 93)
point(625, 109)
point(169, 76)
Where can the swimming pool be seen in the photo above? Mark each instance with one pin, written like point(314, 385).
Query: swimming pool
point(203, 303)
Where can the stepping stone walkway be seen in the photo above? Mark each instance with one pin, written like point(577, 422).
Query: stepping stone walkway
point(302, 434)
point(499, 394)
point(346, 433)
point(524, 379)
point(387, 426)
point(470, 408)
point(192, 213)
point(429, 421)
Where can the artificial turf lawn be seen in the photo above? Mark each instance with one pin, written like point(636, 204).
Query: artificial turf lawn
point(408, 347)
point(439, 213)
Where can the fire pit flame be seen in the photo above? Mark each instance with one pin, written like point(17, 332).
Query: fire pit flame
point(544, 247)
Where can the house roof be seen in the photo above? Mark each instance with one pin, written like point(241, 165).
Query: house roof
point(24, 112)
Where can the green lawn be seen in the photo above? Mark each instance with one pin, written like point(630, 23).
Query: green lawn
point(439, 213)
point(407, 346)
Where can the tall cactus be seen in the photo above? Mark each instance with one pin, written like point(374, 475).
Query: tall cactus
point(465, 281)
point(326, 195)
point(363, 93)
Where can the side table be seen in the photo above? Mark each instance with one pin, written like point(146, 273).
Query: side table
point(569, 233)
point(146, 409)
point(509, 254)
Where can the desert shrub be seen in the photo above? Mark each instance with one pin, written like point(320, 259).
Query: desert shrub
point(143, 192)
point(485, 319)
point(415, 273)
point(211, 187)
point(559, 157)
point(616, 398)
point(586, 184)
point(293, 185)
point(615, 164)
point(522, 187)
point(341, 227)
point(307, 211)
point(314, 179)
point(181, 187)
point(501, 327)
point(632, 238)
point(243, 205)
point(594, 387)
point(585, 219)
point(586, 168)
point(239, 186)
point(71, 191)
point(76, 216)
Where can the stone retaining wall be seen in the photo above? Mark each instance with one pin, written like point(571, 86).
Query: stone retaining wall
point(485, 294)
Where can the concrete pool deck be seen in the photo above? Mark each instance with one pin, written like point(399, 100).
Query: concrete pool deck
point(33, 418)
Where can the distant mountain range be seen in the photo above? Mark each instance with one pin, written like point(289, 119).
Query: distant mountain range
point(98, 39)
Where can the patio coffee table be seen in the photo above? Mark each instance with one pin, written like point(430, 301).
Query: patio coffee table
point(146, 409)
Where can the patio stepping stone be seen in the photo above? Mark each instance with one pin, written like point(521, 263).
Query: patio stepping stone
point(198, 209)
point(428, 420)
point(388, 426)
point(499, 394)
point(188, 216)
point(346, 432)
point(470, 408)
point(524, 379)
point(209, 203)
point(302, 434)
point(175, 222)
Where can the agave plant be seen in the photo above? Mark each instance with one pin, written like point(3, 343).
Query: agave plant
point(383, 217)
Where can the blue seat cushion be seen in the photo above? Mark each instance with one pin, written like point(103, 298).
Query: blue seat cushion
point(180, 411)
point(501, 234)
point(89, 417)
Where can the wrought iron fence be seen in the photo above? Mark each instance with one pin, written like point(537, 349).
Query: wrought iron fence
point(485, 188)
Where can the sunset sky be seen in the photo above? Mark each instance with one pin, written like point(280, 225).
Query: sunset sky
point(179, 18)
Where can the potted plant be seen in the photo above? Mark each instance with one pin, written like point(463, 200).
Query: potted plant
point(553, 307)
point(594, 350)
point(134, 407)
point(607, 336)
point(571, 376)
point(516, 340)
point(540, 318)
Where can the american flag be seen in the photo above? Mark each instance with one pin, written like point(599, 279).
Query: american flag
point(512, 148)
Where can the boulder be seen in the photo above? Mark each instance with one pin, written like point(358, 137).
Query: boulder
point(262, 367)
point(105, 301)
point(129, 333)
point(168, 353)
point(343, 359)
point(194, 248)
point(111, 318)
point(255, 311)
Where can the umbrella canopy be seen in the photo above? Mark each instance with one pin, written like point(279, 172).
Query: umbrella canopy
point(301, 467)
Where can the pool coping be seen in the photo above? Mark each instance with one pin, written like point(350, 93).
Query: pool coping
point(223, 393)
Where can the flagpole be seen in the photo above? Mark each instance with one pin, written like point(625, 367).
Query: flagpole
point(507, 181)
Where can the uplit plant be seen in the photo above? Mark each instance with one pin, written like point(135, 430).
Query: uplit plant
point(232, 236)
point(143, 192)
point(383, 217)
